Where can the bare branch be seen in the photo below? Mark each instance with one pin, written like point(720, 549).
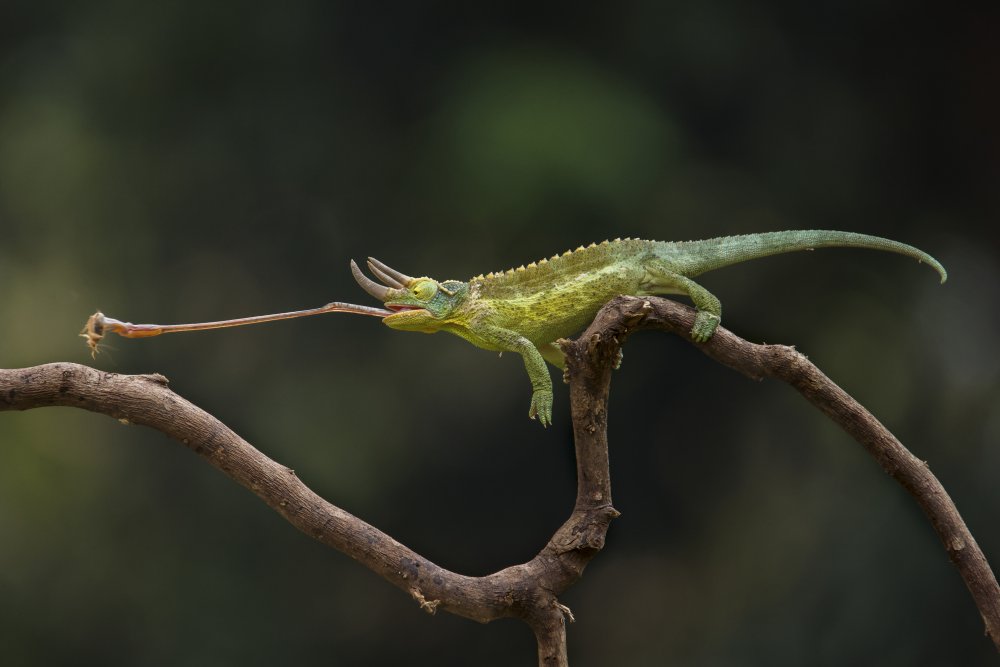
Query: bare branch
point(786, 364)
point(528, 591)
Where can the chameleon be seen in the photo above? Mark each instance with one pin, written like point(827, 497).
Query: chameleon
point(527, 309)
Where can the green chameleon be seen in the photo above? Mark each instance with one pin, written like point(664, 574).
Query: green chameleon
point(527, 309)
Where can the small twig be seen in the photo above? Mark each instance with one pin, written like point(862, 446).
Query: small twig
point(430, 606)
point(566, 612)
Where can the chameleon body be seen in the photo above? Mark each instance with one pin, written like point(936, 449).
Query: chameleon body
point(527, 309)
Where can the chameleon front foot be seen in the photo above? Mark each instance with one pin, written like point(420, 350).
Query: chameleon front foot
point(704, 326)
point(541, 407)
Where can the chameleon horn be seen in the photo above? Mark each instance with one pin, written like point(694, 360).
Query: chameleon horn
point(380, 292)
point(400, 278)
point(384, 277)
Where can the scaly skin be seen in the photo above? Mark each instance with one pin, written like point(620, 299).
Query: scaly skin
point(525, 310)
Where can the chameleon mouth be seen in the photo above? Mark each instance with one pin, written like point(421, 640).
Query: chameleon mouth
point(395, 282)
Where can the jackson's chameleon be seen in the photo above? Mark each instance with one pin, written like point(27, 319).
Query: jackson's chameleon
point(527, 309)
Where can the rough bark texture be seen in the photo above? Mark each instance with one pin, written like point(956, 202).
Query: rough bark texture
point(530, 590)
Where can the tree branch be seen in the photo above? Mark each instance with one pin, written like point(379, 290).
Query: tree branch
point(788, 365)
point(528, 591)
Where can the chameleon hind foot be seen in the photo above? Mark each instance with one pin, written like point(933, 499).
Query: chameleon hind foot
point(705, 324)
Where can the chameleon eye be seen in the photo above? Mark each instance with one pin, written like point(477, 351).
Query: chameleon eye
point(425, 290)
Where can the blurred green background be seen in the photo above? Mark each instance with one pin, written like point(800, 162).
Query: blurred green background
point(183, 161)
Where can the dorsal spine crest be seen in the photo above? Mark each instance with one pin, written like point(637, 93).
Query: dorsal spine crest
point(606, 252)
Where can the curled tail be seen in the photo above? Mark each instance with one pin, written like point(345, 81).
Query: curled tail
point(695, 257)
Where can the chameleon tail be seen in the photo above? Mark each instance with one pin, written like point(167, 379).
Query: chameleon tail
point(692, 258)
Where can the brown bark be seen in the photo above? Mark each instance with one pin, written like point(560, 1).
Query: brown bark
point(528, 591)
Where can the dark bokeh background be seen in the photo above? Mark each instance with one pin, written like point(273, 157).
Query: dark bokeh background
point(191, 160)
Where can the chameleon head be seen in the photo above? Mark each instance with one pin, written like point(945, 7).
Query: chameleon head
point(418, 304)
